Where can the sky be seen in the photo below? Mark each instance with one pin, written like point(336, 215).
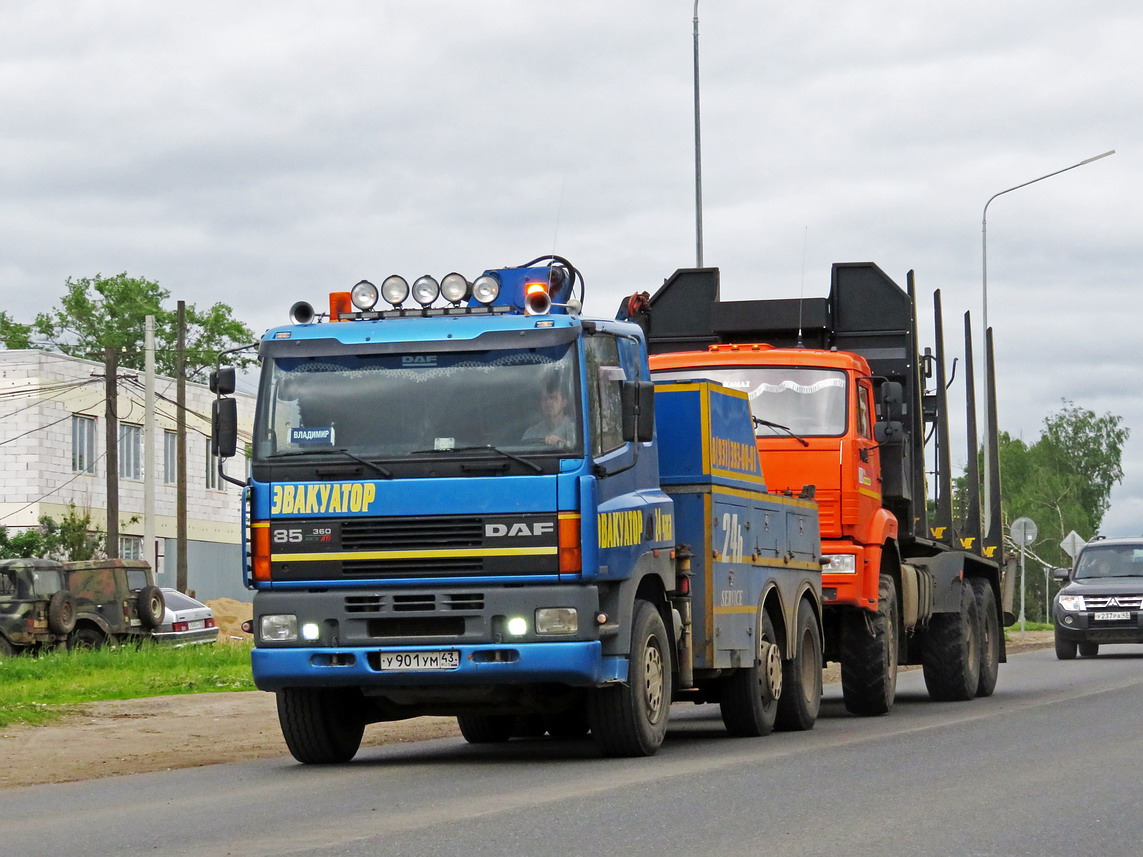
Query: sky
point(260, 153)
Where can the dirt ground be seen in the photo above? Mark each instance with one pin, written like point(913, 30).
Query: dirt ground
point(163, 733)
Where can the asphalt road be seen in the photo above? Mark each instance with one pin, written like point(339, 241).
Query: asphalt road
point(1050, 765)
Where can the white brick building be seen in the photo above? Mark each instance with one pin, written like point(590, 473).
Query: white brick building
point(53, 453)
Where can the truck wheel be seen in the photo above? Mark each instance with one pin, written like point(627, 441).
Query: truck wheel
point(61, 613)
point(630, 719)
point(1065, 648)
point(802, 676)
point(951, 654)
point(6, 650)
point(1088, 650)
point(85, 639)
point(750, 695)
point(869, 655)
point(486, 728)
point(150, 606)
point(989, 636)
point(322, 726)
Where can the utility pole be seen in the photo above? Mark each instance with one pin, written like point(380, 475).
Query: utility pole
point(110, 386)
point(181, 450)
point(698, 152)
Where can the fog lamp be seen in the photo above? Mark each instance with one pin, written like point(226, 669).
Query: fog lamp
point(517, 626)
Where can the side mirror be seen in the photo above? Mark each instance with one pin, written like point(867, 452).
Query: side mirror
point(224, 427)
point(890, 433)
point(1061, 573)
point(638, 400)
point(892, 401)
point(222, 381)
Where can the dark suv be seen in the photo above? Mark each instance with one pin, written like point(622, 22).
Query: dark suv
point(45, 604)
point(1103, 599)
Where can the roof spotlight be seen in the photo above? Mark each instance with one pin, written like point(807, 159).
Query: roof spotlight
point(364, 295)
point(425, 290)
point(486, 289)
point(394, 289)
point(454, 287)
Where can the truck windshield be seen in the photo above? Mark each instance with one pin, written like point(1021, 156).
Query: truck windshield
point(807, 402)
point(385, 406)
point(1110, 561)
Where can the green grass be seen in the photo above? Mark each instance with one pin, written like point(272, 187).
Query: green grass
point(38, 690)
point(1029, 626)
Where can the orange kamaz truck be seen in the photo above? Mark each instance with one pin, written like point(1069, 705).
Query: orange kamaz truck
point(845, 404)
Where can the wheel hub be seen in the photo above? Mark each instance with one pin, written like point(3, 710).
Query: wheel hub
point(771, 658)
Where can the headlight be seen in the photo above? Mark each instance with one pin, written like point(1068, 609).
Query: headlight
point(841, 563)
point(364, 295)
point(486, 289)
point(425, 290)
point(557, 620)
point(279, 627)
point(1071, 602)
point(394, 289)
point(454, 287)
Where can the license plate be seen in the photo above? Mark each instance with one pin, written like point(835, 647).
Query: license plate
point(196, 625)
point(449, 659)
point(1112, 616)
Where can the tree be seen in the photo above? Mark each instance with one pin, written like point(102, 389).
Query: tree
point(1062, 481)
point(13, 334)
point(100, 312)
point(73, 537)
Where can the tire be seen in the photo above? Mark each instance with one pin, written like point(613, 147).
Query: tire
point(1065, 648)
point(6, 649)
point(750, 695)
point(989, 636)
point(61, 613)
point(322, 726)
point(630, 719)
point(86, 639)
point(869, 655)
point(951, 653)
point(801, 697)
point(1088, 650)
point(150, 607)
point(486, 728)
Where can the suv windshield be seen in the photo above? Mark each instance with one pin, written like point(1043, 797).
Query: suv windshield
point(1110, 561)
point(807, 402)
point(386, 406)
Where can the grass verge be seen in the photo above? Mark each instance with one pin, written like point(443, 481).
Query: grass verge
point(45, 688)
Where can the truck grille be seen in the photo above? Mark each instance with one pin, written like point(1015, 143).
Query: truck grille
point(414, 602)
point(398, 533)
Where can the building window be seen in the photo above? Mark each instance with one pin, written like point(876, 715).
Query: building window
point(82, 444)
point(130, 547)
point(170, 457)
point(211, 467)
point(130, 451)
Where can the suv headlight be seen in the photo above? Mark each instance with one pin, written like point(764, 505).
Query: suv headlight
point(1071, 603)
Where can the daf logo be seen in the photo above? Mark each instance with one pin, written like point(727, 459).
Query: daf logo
point(418, 360)
point(542, 528)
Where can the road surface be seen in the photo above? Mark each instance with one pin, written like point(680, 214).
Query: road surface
point(1049, 765)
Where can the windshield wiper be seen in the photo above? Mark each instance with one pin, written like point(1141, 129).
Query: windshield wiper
point(489, 447)
point(370, 464)
point(786, 429)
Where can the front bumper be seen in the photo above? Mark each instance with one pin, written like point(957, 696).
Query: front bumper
point(1081, 626)
point(358, 626)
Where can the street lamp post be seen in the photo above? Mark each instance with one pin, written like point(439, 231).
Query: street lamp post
point(698, 154)
point(984, 297)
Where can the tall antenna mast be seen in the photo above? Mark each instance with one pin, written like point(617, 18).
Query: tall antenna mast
point(698, 155)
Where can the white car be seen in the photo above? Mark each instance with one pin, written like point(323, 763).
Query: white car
point(185, 620)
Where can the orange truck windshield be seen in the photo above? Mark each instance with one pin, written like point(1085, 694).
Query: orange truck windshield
point(808, 402)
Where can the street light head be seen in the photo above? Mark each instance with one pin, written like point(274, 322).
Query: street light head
point(1096, 158)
